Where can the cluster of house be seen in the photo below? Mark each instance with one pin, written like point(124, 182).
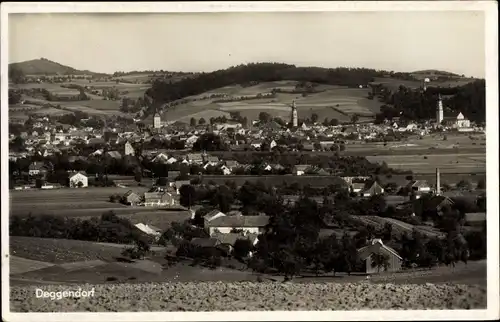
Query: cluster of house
point(163, 197)
point(224, 230)
point(48, 140)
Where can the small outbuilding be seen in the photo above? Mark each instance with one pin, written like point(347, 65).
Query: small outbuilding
point(378, 257)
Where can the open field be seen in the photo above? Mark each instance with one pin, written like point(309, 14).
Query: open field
point(58, 251)
point(447, 163)
point(69, 202)
point(41, 262)
point(50, 112)
point(68, 195)
point(254, 297)
point(323, 181)
point(324, 104)
point(393, 84)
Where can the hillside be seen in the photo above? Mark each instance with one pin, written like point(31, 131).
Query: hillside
point(434, 72)
point(44, 66)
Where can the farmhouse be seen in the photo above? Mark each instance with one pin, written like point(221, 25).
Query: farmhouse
point(129, 149)
point(214, 214)
point(456, 121)
point(225, 170)
point(161, 158)
point(78, 180)
point(158, 199)
point(37, 168)
point(378, 257)
point(300, 169)
point(372, 188)
point(148, 229)
point(357, 187)
point(419, 186)
point(131, 198)
point(246, 224)
point(230, 239)
point(194, 158)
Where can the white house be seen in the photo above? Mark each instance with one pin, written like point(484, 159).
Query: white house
point(191, 140)
point(171, 160)
point(300, 169)
point(161, 158)
point(247, 224)
point(419, 186)
point(214, 214)
point(272, 144)
point(129, 149)
point(462, 121)
point(78, 180)
point(225, 170)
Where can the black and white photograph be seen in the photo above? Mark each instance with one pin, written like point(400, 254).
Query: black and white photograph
point(247, 159)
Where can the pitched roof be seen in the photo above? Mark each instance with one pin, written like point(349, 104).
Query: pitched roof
point(195, 156)
point(129, 193)
point(156, 195)
point(240, 221)
point(418, 183)
point(78, 172)
point(231, 163)
point(178, 184)
point(357, 185)
point(301, 167)
point(376, 245)
point(114, 154)
point(373, 187)
point(212, 159)
point(212, 214)
point(205, 242)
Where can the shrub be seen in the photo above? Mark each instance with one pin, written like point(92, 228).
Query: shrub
point(133, 253)
point(111, 279)
point(242, 247)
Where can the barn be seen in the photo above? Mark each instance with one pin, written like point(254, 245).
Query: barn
point(370, 254)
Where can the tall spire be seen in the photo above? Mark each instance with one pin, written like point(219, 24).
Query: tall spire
point(294, 118)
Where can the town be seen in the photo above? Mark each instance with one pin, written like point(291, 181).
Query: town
point(176, 166)
point(255, 175)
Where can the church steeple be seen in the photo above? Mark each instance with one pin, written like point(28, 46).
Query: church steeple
point(294, 118)
point(439, 110)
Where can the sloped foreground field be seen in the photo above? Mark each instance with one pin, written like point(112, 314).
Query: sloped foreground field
point(220, 296)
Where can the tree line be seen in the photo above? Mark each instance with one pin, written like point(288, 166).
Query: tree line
point(167, 91)
point(107, 228)
point(415, 104)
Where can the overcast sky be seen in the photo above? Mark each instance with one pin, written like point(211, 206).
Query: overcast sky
point(399, 41)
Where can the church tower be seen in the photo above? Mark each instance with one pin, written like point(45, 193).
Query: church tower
point(156, 121)
point(439, 110)
point(295, 119)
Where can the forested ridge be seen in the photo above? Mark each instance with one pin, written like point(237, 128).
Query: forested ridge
point(163, 92)
point(470, 99)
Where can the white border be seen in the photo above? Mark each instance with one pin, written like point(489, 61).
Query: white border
point(491, 36)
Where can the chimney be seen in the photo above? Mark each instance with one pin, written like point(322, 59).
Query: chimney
point(438, 182)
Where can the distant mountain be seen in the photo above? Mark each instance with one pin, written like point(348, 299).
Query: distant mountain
point(44, 66)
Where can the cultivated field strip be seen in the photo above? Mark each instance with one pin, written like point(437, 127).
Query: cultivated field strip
point(220, 296)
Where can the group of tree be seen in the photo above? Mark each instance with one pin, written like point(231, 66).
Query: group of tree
point(167, 91)
point(129, 105)
point(413, 104)
point(107, 228)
